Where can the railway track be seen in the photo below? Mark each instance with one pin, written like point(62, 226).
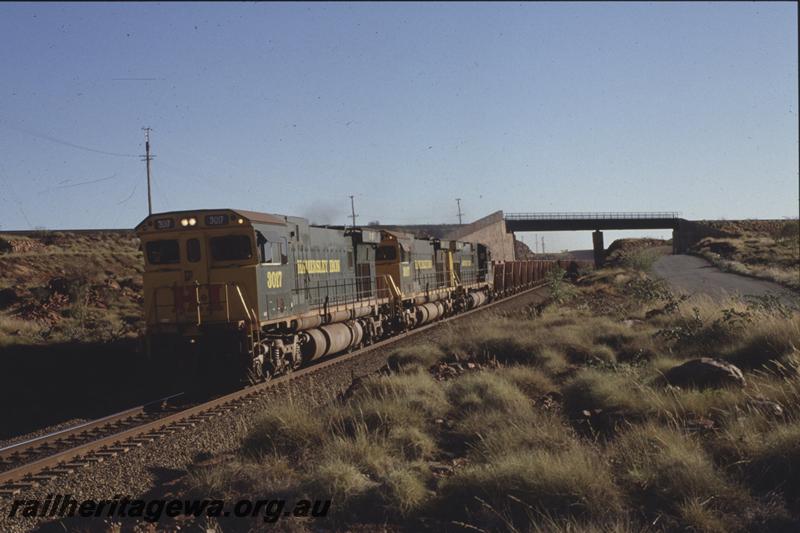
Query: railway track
point(37, 461)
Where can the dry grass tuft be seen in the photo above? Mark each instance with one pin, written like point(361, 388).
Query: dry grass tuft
point(271, 474)
point(412, 443)
point(765, 455)
point(411, 399)
point(493, 435)
point(483, 392)
point(279, 431)
point(661, 468)
point(531, 381)
point(569, 483)
point(618, 396)
point(411, 358)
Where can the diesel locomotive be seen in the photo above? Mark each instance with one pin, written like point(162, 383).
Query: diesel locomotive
point(255, 295)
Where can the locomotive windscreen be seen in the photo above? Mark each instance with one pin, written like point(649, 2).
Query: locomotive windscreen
point(231, 248)
point(163, 252)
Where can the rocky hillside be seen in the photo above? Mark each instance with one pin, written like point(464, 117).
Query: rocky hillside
point(62, 287)
point(768, 249)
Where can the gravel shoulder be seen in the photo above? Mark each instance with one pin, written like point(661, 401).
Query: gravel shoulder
point(144, 470)
point(690, 275)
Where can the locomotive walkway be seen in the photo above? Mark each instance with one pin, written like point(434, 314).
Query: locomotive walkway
point(596, 222)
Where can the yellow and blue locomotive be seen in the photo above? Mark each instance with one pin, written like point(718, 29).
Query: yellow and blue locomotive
point(258, 294)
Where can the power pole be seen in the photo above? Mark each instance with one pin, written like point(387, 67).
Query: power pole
point(353, 210)
point(147, 157)
point(458, 201)
point(542, 243)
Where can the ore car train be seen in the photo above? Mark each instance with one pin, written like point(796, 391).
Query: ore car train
point(256, 295)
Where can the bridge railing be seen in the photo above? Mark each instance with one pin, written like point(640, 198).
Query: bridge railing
point(593, 216)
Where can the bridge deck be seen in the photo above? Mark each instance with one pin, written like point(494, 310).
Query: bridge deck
point(591, 221)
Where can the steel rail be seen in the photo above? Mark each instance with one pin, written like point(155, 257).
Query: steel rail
point(23, 447)
point(25, 476)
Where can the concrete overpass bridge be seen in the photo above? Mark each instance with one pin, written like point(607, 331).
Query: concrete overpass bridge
point(682, 230)
point(496, 230)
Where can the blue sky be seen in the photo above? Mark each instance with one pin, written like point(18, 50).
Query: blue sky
point(290, 108)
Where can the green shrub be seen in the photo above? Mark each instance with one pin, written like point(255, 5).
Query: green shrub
point(641, 260)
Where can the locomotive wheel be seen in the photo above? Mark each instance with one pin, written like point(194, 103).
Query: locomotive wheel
point(257, 371)
point(255, 374)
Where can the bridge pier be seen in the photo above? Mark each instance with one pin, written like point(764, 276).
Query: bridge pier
point(599, 250)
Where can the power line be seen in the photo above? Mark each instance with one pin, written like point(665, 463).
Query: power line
point(89, 182)
point(15, 199)
point(63, 142)
point(135, 186)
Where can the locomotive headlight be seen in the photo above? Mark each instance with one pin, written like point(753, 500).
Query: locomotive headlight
point(184, 222)
point(240, 221)
point(192, 221)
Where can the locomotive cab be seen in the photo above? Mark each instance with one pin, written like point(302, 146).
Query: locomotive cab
point(200, 277)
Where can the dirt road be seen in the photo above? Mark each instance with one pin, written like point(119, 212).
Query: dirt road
point(690, 274)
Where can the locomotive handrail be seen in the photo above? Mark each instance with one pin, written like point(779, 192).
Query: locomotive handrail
point(336, 291)
point(592, 215)
point(198, 304)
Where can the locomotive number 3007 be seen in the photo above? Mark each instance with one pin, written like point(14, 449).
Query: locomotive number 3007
point(274, 280)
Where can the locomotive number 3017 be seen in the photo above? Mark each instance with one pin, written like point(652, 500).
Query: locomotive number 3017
point(274, 280)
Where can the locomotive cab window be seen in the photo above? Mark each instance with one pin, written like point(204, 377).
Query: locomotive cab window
point(386, 253)
point(164, 252)
point(284, 250)
point(272, 252)
point(193, 250)
point(231, 248)
point(264, 248)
